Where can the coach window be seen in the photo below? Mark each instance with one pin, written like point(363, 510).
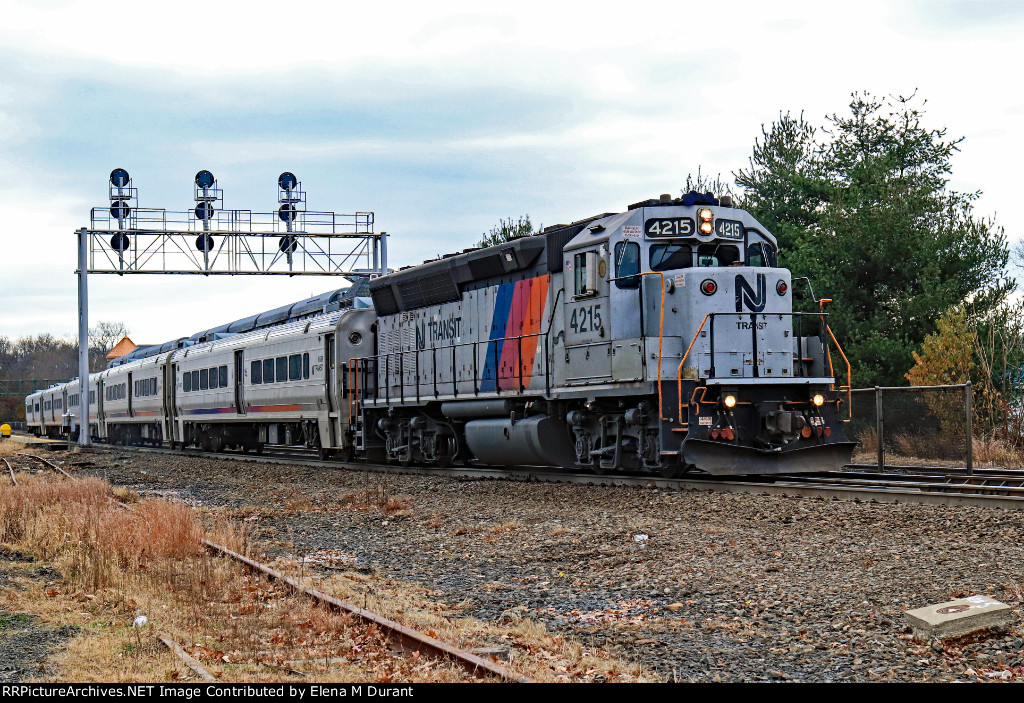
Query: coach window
point(281, 368)
point(222, 373)
point(186, 380)
point(305, 365)
point(256, 372)
point(670, 256)
point(204, 379)
point(268, 370)
point(195, 380)
point(627, 265)
point(294, 367)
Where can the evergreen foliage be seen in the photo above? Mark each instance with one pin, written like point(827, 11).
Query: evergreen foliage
point(862, 207)
point(507, 230)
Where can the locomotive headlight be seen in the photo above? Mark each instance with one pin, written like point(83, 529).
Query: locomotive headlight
point(818, 399)
point(706, 227)
point(705, 215)
point(729, 400)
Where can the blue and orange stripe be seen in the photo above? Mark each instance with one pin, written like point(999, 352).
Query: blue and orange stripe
point(518, 311)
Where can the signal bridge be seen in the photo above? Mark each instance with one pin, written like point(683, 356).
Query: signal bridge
point(210, 240)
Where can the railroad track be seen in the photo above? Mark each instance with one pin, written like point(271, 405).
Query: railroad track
point(408, 638)
point(999, 488)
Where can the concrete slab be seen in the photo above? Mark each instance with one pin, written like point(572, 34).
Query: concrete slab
point(957, 618)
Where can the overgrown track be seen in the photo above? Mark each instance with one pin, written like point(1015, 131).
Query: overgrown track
point(999, 488)
point(10, 470)
point(407, 637)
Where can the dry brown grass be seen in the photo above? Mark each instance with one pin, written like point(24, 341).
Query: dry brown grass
point(532, 650)
point(10, 447)
point(997, 452)
point(120, 563)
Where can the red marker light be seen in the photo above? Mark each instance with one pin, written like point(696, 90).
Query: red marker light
point(781, 287)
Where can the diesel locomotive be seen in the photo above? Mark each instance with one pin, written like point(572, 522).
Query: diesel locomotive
point(657, 340)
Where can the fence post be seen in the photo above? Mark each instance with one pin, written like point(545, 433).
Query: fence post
point(968, 406)
point(879, 428)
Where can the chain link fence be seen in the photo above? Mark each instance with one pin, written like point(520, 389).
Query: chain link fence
point(913, 425)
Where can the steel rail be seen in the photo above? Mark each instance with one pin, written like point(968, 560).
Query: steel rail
point(49, 464)
point(781, 484)
point(407, 637)
point(10, 470)
point(190, 662)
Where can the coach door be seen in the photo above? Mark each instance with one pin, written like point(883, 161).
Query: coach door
point(587, 318)
point(130, 393)
point(239, 382)
point(170, 404)
point(330, 372)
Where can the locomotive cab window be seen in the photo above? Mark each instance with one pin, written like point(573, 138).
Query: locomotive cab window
point(761, 254)
point(714, 255)
point(627, 265)
point(585, 268)
point(669, 256)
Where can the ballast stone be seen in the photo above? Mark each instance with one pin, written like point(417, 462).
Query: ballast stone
point(960, 617)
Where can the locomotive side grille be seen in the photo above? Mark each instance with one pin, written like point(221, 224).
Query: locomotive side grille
point(384, 301)
point(431, 289)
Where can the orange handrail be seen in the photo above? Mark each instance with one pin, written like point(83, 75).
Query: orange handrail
point(679, 370)
point(849, 375)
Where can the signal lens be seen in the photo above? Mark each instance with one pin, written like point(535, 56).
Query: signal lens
point(708, 287)
point(706, 228)
point(729, 400)
point(705, 215)
point(818, 399)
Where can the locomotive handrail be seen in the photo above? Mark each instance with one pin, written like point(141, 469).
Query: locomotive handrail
point(711, 316)
point(455, 383)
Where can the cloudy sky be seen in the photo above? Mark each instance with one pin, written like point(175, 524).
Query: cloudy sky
point(441, 118)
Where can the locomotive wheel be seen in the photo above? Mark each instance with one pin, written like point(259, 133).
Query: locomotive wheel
point(672, 471)
point(447, 449)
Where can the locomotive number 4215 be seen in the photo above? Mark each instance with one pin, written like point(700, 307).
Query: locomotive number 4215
point(586, 319)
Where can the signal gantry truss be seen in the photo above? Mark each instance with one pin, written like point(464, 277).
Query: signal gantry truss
point(235, 242)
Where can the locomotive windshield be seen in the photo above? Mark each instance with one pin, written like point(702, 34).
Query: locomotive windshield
point(717, 255)
point(668, 256)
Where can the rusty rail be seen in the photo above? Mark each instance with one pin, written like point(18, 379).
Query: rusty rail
point(49, 464)
point(406, 636)
point(10, 471)
point(191, 663)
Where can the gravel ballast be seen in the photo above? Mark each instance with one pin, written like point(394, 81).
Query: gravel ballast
point(695, 585)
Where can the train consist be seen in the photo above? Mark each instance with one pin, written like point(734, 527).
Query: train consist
point(657, 340)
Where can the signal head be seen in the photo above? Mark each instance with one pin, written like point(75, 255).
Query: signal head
point(204, 211)
point(286, 212)
point(119, 178)
point(205, 179)
point(287, 180)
